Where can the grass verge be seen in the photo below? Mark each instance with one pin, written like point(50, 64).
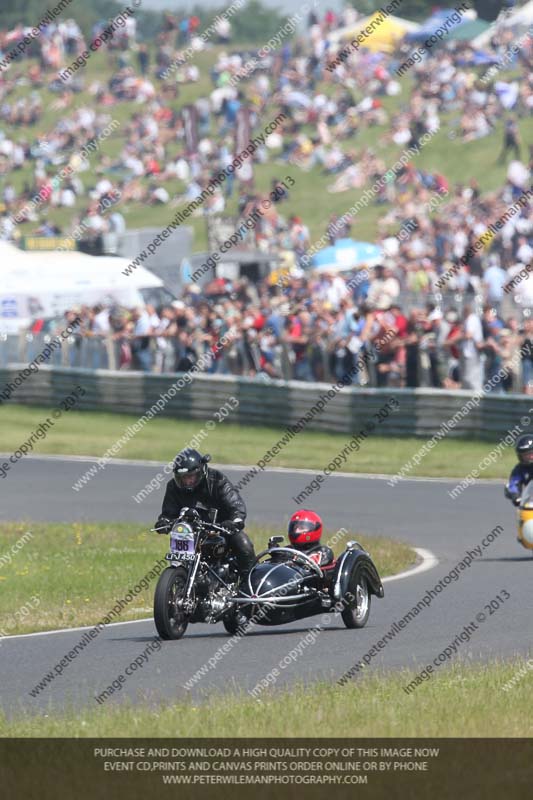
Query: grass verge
point(93, 432)
point(462, 701)
point(79, 571)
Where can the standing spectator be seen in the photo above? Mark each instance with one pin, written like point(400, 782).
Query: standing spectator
point(226, 158)
point(524, 252)
point(101, 325)
point(298, 336)
point(511, 139)
point(184, 30)
point(143, 57)
point(140, 347)
point(388, 366)
point(412, 349)
point(492, 326)
point(223, 30)
point(509, 345)
point(494, 279)
point(163, 328)
point(330, 20)
point(471, 344)
point(194, 24)
point(336, 231)
point(185, 354)
point(278, 189)
point(437, 331)
point(299, 236)
point(526, 351)
point(385, 289)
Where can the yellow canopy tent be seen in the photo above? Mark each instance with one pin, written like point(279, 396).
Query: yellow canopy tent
point(386, 34)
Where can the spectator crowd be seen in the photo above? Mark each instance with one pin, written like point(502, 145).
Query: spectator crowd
point(307, 325)
point(316, 329)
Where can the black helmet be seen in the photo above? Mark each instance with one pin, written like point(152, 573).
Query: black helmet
point(524, 449)
point(190, 468)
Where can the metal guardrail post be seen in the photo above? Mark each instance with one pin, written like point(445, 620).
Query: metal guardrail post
point(111, 352)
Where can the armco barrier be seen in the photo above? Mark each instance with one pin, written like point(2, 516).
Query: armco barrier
point(276, 403)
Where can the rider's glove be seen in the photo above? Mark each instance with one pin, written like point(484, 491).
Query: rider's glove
point(233, 525)
point(513, 496)
point(163, 525)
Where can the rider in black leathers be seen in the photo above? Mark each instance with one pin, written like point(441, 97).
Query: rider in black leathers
point(195, 483)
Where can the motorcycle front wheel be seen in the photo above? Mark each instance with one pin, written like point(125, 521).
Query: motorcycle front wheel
point(170, 623)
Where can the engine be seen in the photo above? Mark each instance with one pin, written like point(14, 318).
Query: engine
point(212, 594)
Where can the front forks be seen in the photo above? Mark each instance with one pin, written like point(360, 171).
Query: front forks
point(186, 604)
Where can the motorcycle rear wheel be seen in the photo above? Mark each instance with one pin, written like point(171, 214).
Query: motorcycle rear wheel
point(356, 616)
point(170, 623)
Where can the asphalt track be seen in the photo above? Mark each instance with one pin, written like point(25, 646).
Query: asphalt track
point(416, 511)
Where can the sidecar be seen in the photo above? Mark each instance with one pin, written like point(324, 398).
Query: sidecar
point(286, 585)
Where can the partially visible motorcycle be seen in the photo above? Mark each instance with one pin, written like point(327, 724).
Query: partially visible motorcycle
point(201, 583)
point(525, 518)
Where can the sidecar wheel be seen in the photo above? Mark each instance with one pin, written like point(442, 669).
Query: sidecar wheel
point(236, 622)
point(170, 623)
point(356, 616)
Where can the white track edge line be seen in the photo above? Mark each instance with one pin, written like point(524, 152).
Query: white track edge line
point(72, 630)
point(429, 560)
point(297, 470)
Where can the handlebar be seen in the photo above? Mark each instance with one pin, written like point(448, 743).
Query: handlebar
point(214, 526)
point(199, 522)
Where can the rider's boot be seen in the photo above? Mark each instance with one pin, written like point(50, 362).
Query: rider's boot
point(243, 550)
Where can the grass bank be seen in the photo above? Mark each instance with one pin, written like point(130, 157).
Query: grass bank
point(92, 433)
point(462, 701)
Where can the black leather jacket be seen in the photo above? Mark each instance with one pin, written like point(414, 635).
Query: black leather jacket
point(214, 491)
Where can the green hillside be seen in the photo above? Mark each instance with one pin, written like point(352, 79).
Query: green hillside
point(309, 198)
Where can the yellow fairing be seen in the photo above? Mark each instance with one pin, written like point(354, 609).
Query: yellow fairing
point(525, 528)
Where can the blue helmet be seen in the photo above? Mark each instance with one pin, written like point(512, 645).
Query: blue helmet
point(524, 449)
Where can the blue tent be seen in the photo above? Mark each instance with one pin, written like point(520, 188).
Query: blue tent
point(477, 59)
point(347, 254)
point(434, 22)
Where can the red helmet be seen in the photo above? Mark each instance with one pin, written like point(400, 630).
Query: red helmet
point(305, 528)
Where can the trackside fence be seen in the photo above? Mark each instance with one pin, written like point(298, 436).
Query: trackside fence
point(277, 403)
